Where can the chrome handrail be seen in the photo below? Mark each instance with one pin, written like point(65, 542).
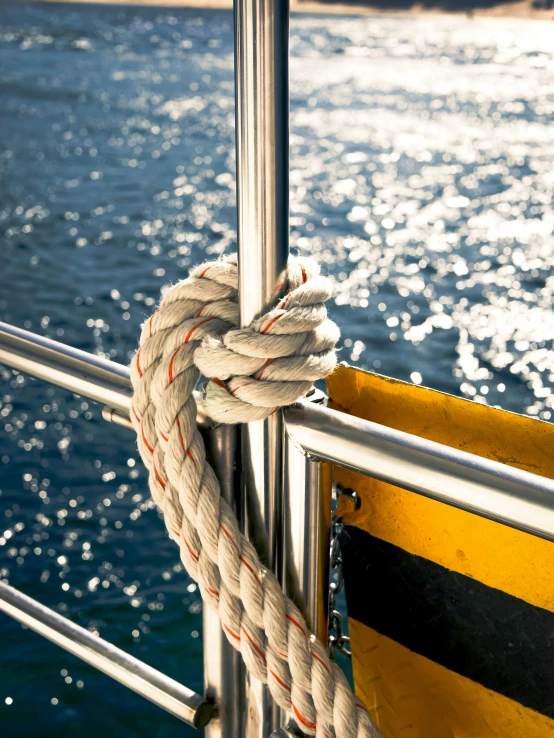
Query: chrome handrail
point(487, 488)
point(84, 374)
point(124, 668)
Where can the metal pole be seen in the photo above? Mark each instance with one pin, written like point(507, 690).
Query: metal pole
point(306, 524)
point(106, 381)
point(223, 666)
point(306, 530)
point(487, 488)
point(262, 138)
point(85, 374)
point(141, 678)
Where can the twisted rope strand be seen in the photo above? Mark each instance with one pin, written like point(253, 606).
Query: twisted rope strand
point(253, 372)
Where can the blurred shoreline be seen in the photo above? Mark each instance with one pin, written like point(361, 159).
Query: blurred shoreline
point(478, 8)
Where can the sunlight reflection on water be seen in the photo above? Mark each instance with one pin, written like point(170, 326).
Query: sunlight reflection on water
point(421, 177)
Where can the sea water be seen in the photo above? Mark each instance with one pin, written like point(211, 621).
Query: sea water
point(421, 180)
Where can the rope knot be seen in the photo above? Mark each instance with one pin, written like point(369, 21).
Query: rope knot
point(252, 371)
point(273, 362)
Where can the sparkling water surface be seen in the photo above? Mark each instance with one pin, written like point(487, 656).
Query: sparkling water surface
point(421, 179)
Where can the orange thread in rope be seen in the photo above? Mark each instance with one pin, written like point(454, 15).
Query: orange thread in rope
point(244, 561)
point(159, 477)
point(148, 446)
point(302, 719)
point(253, 644)
point(150, 321)
point(137, 358)
point(295, 622)
point(279, 680)
point(191, 551)
point(317, 658)
point(250, 568)
point(170, 370)
point(180, 433)
point(189, 334)
point(231, 632)
point(229, 536)
point(272, 322)
point(260, 371)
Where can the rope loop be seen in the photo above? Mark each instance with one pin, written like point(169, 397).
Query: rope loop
point(251, 372)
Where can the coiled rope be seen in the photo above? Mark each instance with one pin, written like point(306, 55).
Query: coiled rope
point(253, 372)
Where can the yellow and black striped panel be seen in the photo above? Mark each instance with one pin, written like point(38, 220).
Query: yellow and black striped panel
point(451, 615)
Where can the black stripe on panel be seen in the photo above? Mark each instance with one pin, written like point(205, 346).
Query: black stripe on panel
point(482, 633)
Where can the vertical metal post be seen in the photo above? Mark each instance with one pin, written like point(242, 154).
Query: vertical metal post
point(306, 530)
point(223, 667)
point(262, 137)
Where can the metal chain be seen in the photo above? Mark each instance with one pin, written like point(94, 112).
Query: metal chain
point(337, 639)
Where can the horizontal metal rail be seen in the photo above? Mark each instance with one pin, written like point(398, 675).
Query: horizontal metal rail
point(84, 374)
point(146, 681)
point(487, 488)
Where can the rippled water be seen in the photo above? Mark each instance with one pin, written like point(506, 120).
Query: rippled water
point(422, 179)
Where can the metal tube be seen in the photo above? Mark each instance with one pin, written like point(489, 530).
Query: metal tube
point(146, 681)
point(261, 78)
point(223, 665)
point(85, 374)
point(493, 490)
point(106, 381)
point(306, 522)
point(262, 138)
point(488, 488)
point(116, 416)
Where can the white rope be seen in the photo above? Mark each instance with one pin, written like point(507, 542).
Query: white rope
point(252, 372)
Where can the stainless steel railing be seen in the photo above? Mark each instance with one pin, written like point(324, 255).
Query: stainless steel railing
point(141, 678)
point(487, 488)
point(106, 381)
point(262, 147)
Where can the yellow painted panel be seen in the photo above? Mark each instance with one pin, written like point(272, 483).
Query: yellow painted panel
point(410, 696)
point(514, 562)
